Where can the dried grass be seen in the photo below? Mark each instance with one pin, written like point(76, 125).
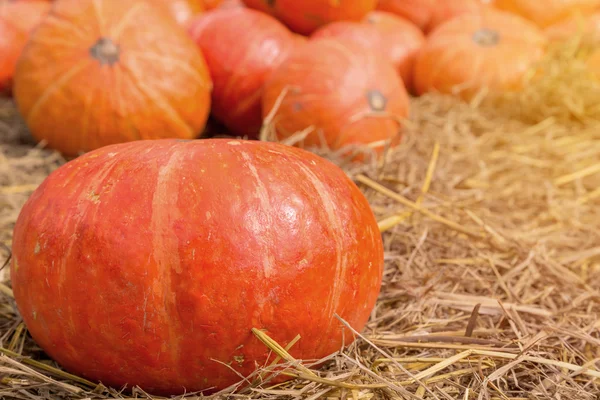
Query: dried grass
point(491, 221)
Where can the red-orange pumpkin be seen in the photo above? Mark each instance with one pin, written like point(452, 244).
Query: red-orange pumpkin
point(241, 47)
point(17, 20)
point(307, 15)
point(489, 50)
point(148, 263)
point(395, 37)
point(417, 11)
point(135, 76)
point(445, 10)
point(547, 12)
point(336, 86)
point(181, 10)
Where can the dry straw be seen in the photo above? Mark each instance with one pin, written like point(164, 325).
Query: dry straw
point(490, 212)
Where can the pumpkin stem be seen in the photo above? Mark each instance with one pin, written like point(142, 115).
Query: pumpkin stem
point(377, 100)
point(486, 37)
point(105, 51)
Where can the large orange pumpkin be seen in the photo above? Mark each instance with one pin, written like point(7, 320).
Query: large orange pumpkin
point(135, 76)
point(307, 15)
point(546, 12)
point(182, 10)
point(336, 86)
point(588, 25)
point(445, 10)
point(399, 39)
point(417, 11)
point(17, 21)
point(148, 263)
point(489, 50)
point(241, 47)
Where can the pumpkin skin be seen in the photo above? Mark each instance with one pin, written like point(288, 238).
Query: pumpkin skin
point(241, 47)
point(212, 4)
point(446, 10)
point(265, 6)
point(306, 16)
point(417, 11)
point(181, 10)
point(332, 84)
point(110, 85)
point(186, 246)
point(17, 21)
point(399, 39)
point(547, 12)
point(492, 49)
point(574, 26)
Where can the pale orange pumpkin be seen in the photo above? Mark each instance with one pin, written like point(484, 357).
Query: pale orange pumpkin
point(574, 26)
point(417, 11)
point(346, 93)
point(182, 10)
point(394, 36)
point(492, 50)
point(81, 85)
point(445, 10)
point(546, 12)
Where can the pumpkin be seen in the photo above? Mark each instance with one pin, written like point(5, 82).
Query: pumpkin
point(164, 254)
point(17, 21)
point(593, 63)
point(417, 11)
point(446, 10)
point(547, 12)
point(212, 4)
point(336, 86)
point(399, 39)
point(266, 6)
point(575, 26)
point(182, 10)
point(241, 47)
point(306, 16)
point(110, 83)
point(490, 50)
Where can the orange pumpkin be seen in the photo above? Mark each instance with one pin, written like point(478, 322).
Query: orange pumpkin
point(576, 25)
point(248, 45)
point(336, 86)
point(265, 6)
point(492, 50)
point(17, 20)
point(445, 10)
point(399, 39)
point(182, 10)
point(81, 85)
point(417, 11)
point(546, 12)
point(211, 4)
point(307, 15)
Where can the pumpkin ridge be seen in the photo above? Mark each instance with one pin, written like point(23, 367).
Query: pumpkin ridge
point(62, 80)
point(53, 20)
point(120, 27)
point(155, 97)
point(98, 13)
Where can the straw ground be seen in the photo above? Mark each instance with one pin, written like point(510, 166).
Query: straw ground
point(490, 212)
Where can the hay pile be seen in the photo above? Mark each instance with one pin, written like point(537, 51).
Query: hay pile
point(491, 220)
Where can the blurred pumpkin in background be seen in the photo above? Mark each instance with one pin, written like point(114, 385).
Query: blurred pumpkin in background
point(577, 25)
point(417, 11)
point(343, 92)
point(392, 35)
point(265, 6)
point(445, 10)
point(546, 12)
point(182, 10)
point(241, 47)
point(491, 50)
point(80, 85)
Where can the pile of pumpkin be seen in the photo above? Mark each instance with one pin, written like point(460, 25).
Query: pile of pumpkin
point(93, 73)
point(159, 263)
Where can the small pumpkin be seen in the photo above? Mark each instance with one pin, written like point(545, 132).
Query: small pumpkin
point(445, 10)
point(136, 76)
point(181, 10)
point(490, 50)
point(417, 11)
point(588, 25)
point(17, 20)
point(165, 254)
point(306, 16)
point(241, 47)
point(336, 86)
point(547, 12)
point(395, 37)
